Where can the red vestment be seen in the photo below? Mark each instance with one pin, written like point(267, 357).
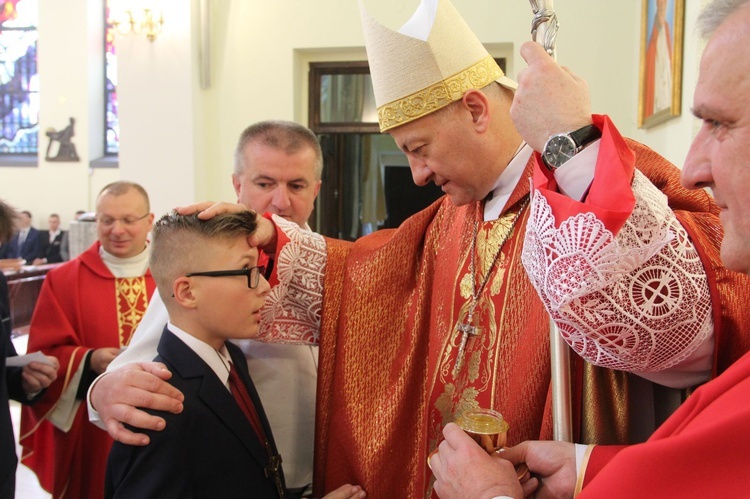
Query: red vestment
point(81, 307)
point(698, 452)
point(388, 340)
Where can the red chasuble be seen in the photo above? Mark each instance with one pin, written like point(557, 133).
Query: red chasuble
point(82, 306)
point(701, 451)
point(389, 341)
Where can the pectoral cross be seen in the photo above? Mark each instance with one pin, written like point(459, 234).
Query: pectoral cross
point(272, 470)
point(466, 329)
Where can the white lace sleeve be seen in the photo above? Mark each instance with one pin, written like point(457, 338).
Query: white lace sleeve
point(292, 310)
point(637, 302)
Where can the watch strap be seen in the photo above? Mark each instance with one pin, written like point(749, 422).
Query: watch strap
point(585, 136)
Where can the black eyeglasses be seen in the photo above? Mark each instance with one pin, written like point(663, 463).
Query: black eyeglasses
point(127, 221)
point(253, 274)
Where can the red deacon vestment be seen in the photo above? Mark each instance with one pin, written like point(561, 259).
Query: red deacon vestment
point(698, 452)
point(82, 307)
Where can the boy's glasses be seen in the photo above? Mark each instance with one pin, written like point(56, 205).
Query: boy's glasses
point(253, 274)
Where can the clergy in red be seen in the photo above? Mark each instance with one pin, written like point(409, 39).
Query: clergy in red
point(87, 311)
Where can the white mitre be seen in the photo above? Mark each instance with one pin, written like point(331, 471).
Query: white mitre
point(430, 62)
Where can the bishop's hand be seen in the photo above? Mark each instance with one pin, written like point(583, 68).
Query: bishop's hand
point(550, 98)
point(264, 236)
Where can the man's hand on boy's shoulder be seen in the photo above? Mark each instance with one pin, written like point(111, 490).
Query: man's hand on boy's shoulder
point(117, 395)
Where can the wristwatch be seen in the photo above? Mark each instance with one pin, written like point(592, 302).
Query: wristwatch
point(561, 147)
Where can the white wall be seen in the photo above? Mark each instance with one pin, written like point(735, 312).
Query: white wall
point(159, 108)
point(178, 139)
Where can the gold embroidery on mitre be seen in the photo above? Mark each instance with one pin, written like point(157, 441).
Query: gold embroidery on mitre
point(438, 95)
point(131, 295)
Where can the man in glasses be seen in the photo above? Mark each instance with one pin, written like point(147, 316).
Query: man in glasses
point(87, 311)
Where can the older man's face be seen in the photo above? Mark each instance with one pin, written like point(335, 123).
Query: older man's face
point(448, 153)
point(719, 154)
point(276, 182)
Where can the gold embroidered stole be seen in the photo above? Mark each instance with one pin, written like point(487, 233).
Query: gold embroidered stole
point(506, 366)
point(473, 381)
point(131, 298)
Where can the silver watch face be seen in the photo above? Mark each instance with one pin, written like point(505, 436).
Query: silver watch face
point(558, 150)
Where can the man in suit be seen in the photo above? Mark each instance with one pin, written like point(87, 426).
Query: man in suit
point(26, 243)
point(52, 241)
point(221, 445)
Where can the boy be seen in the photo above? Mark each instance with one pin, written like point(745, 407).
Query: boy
point(211, 449)
point(221, 444)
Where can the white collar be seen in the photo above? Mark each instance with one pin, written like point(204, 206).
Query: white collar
point(507, 182)
point(135, 266)
point(217, 360)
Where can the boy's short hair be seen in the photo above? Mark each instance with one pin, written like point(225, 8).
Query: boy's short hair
point(178, 243)
point(286, 136)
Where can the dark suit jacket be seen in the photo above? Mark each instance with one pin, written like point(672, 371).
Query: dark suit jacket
point(208, 450)
point(51, 249)
point(32, 247)
point(10, 388)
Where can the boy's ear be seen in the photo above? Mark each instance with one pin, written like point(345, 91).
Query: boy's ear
point(183, 293)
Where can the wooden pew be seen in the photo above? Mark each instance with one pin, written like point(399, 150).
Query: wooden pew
point(24, 286)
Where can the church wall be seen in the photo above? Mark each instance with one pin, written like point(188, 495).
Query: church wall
point(69, 59)
point(178, 138)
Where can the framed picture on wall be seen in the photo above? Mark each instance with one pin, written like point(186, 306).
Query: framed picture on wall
point(660, 95)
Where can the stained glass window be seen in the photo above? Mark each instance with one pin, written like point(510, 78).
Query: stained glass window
point(19, 82)
point(112, 130)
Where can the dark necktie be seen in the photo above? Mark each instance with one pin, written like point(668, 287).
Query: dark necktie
point(242, 397)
